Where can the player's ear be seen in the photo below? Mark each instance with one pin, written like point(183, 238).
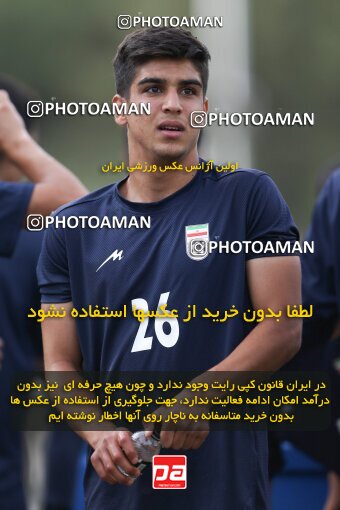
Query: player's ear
point(205, 104)
point(121, 120)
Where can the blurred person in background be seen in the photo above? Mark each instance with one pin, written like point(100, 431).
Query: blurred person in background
point(320, 349)
point(20, 156)
point(321, 333)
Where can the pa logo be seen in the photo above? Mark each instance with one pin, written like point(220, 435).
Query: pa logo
point(169, 472)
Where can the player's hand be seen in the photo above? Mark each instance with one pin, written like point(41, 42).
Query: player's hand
point(12, 127)
point(112, 449)
point(182, 439)
point(183, 427)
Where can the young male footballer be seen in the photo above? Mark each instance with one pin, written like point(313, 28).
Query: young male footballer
point(169, 264)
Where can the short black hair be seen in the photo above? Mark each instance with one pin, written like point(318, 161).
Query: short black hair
point(19, 94)
point(161, 42)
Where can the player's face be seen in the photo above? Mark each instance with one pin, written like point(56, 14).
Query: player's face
point(174, 90)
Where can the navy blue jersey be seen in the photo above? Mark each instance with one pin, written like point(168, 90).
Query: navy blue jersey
point(14, 200)
point(18, 293)
point(321, 270)
point(321, 288)
point(23, 346)
point(149, 267)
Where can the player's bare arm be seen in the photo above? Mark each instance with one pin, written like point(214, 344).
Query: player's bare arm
point(273, 282)
point(55, 185)
point(111, 448)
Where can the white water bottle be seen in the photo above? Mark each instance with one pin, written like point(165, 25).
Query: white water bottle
point(146, 447)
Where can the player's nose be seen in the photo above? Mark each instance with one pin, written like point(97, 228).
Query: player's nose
point(172, 102)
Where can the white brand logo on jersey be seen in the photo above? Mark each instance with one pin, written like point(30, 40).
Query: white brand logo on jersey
point(114, 256)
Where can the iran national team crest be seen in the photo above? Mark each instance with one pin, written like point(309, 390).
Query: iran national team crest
point(197, 241)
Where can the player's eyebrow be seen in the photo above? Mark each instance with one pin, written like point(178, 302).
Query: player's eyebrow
point(191, 81)
point(161, 81)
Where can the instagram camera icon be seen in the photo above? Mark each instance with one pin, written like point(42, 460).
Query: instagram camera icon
point(198, 119)
point(35, 222)
point(124, 21)
point(35, 109)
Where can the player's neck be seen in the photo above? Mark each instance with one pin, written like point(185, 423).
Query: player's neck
point(149, 187)
point(155, 186)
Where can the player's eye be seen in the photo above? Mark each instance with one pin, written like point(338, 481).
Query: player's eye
point(154, 89)
point(188, 91)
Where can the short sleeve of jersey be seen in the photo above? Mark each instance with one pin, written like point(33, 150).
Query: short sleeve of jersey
point(268, 216)
point(52, 270)
point(14, 200)
point(321, 269)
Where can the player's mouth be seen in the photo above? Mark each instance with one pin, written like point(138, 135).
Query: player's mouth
point(171, 128)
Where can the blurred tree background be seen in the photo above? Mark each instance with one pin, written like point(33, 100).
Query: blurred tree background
point(296, 66)
point(64, 51)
